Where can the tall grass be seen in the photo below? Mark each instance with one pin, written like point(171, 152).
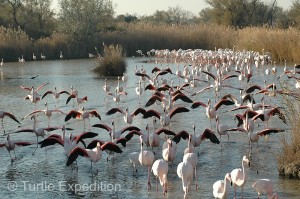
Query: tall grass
point(289, 157)
point(283, 44)
point(113, 62)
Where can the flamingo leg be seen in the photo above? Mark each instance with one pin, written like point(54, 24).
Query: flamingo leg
point(156, 184)
point(37, 144)
point(149, 183)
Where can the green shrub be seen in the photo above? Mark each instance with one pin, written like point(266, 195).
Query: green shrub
point(113, 62)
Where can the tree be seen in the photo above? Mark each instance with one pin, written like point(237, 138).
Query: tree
point(41, 18)
point(83, 19)
point(293, 13)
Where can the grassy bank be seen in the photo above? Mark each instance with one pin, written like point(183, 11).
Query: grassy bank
point(282, 44)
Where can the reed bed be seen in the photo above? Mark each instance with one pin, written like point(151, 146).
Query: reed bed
point(113, 62)
point(283, 44)
point(288, 158)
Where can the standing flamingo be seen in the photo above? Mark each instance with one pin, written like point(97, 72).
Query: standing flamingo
point(160, 170)
point(185, 172)
point(146, 158)
point(221, 187)
point(193, 159)
point(265, 186)
point(10, 145)
point(239, 176)
point(7, 114)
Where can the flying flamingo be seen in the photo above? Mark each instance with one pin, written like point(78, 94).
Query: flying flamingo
point(185, 172)
point(221, 187)
point(146, 158)
point(160, 170)
point(239, 176)
point(265, 186)
point(10, 145)
point(7, 114)
point(79, 100)
point(95, 154)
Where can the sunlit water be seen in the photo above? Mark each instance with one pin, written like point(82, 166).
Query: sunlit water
point(44, 175)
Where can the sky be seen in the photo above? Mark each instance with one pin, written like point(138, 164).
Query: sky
point(148, 7)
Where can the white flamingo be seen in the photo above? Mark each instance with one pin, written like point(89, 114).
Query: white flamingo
point(265, 186)
point(239, 176)
point(221, 187)
point(160, 170)
point(185, 172)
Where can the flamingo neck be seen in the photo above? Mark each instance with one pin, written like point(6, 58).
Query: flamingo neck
point(245, 172)
point(226, 187)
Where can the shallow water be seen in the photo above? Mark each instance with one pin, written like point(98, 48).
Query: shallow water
point(44, 175)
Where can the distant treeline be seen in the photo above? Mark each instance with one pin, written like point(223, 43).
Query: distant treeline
point(30, 27)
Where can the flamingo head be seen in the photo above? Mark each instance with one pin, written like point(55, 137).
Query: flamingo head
point(113, 123)
point(246, 160)
point(194, 127)
point(228, 177)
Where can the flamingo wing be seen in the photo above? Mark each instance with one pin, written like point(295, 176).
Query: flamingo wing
point(131, 134)
point(75, 153)
point(209, 134)
point(41, 86)
point(123, 141)
point(114, 110)
point(182, 134)
point(197, 104)
point(51, 141)
point(152, 99)
point(70, 97)
point(11, 116)
point(210, 74)
point(130, 128)
point(23, 143)
point(178, 110)
point(85, 135)
point(165, 131)
point(252, 88)
point(93, 144)
point(269, 131)
point(103, 126)
point(26, 88)
point(151, 113)
point(223, 102)
point(72, 114)
point(111, 147)
point(150, 87)
point(200, 91)
point(138, 111)
point(96, 114)
point(183, 97)
point(46, 93)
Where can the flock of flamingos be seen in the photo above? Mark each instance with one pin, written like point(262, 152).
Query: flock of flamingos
point(171, 94)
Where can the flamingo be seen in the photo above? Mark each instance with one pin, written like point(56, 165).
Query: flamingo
point(106, 88)
point(221, 187)
point(10, 145)
point(119, 89)
point(221, 128)
point(125, 78)
point(265, 186)
point(61, 55)
point(33, 57)
point(56, 94)
point(83, 115)
point(79, 100)
point(22, 60)
point(7, 114)
point(46, 111)
point(39, 132)
point(139, 91)
point(185, 172)
point(43, 57)
point(165, 119)
point(69, 143)
point(128, 117)
point(1, 63)
point(160, 170)
point(154, 139)
point(134, 160)
point(95, 154)
point(34, 95)
point(146, 158)
point(193, 159)
point(211, 112)
point(169, 151)
point(239, 176)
